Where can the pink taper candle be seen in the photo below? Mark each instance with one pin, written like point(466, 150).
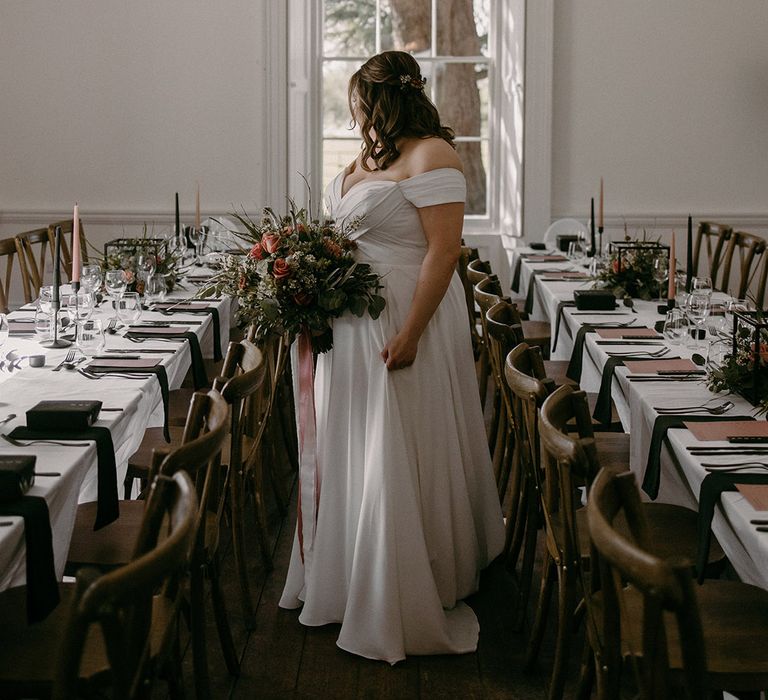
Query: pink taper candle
point(197, 208)
point(672, 269)
point(76, 245)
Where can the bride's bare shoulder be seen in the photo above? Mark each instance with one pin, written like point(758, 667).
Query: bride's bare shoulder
point(431, 154)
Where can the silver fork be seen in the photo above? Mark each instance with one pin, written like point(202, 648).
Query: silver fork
point(67, 359)
point(101, 375)
point(712, 410)
point(627, 353)
point(733, 466)
point(27, 443)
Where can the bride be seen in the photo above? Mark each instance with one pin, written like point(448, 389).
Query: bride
point(408, 513)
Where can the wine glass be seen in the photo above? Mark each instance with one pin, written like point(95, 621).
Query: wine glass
point(80, 306)
point(45, 298)
point(115, 282)
point(90, 336)
point(698, 310)
point(90, 278)
point(43, 324)
point(675, 326)
point(128, 308)
point(661, 274)
point(154, 289)
point(701, 284)
point(146, 265)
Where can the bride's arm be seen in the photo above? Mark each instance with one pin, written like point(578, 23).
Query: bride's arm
point(442, 224)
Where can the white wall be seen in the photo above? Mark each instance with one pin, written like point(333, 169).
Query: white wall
point(668, 102)
point(118, 104)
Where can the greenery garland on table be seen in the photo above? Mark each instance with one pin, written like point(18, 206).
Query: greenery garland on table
point(296, 274)
point(634, 277)
point(736, 372)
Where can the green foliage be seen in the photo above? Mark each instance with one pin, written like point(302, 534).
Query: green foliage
point(630, 273)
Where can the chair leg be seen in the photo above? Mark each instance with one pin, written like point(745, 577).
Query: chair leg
point(548, 577)
point(172, 672)
point(529, 555)
point(586, 673)
point(499, 443)
point(222, 620)
point(237, 498)
point(260, 512)
point(197, 632)
point(566, 606)
point(482, 374)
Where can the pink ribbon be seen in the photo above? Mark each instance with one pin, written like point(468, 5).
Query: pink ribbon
point(309, 473)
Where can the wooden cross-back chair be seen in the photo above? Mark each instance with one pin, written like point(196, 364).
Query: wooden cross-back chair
point(466, 256)
point(762, 282)
point(681, 640)
point(115, 631)
point(744, 252)
point(9, 249)
point(711, 239)
point(198, 454)
point(35, 247)
point(570, 459)
point(66, 237)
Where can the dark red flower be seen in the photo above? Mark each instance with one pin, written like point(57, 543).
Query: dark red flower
point(280, 268)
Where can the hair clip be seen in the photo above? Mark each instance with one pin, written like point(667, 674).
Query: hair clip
point(408, 81)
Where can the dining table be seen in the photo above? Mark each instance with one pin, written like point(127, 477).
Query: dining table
point(667, 458)
point(67, 470)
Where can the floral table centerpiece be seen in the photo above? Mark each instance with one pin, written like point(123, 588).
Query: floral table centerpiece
point(629, 269)
point(744, 370)
point(295, 275)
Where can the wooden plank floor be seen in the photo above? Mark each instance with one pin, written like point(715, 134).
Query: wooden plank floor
point(280, 658)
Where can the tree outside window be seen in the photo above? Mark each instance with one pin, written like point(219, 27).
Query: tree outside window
point(449, 38)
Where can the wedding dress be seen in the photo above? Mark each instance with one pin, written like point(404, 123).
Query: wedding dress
point(408, 512)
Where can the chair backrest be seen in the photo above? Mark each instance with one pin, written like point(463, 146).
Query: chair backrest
point(711, 238)
point(505, 332)
point(121, 601)
point(744, 251)
point(9, 248)
point(468, 255)
point(762, 282)
point(66, 236)
point(34, 262)
point(666, 586)
point(477, 270)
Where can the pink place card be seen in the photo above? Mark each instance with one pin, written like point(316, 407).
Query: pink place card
point(633, 331)
point(722, 430)
point(756, 495)
point(653, 366)
point(21, 326)
point(122, 363)
point(158, 330)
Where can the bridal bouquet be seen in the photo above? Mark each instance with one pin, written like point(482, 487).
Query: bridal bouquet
point(296, 274)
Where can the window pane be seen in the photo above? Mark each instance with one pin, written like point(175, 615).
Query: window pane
point(336, 75)
point(460, 92)
point(406, 26)
point(463, 31)
point(350, 28)
point(337, 155)
point(474, 156)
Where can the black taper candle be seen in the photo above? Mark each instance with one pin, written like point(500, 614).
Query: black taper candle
point(592, 223)
point(689, 258)
point(178, 219)
point(56, 267)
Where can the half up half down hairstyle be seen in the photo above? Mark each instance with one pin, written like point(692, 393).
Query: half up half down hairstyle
point(386, 97)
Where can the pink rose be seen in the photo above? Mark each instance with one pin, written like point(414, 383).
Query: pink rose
point(280, 268)
point(256, 252)
point(271, 242)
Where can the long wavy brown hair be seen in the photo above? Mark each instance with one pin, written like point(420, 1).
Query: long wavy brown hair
point(386, 96)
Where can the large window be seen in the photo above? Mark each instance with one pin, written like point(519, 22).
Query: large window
point(449, 39)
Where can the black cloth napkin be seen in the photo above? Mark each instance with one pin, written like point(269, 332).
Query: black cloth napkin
point(516, 273)
point(711, 488)
point(574, 365)
point(199, 374)
point(42, 587)
point(602, 410)
point(162, 380)
point(661, 425)
point(214, 314)
point(559, 318)
point(107, 508)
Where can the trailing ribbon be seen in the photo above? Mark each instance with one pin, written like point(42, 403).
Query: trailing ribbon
point(309, 473)
point(662, 424)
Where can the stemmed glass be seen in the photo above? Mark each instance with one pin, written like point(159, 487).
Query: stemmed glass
point(114, 281)
point(701, 284)
point(698, 310)
point(154, 289)
point(80, 306)
point(45, 298)
point(128, 308)
point(90, 278)
point(90, 337)
point(661, 274)
point(146, 265)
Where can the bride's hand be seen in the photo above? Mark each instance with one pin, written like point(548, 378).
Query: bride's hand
point(399, 352)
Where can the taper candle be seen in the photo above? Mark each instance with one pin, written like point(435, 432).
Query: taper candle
point(592, 223)
point(178, 219)
point(600, 220)
point(76, 245)
point(689, 258)
point(56, 267)
point(672, 269)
